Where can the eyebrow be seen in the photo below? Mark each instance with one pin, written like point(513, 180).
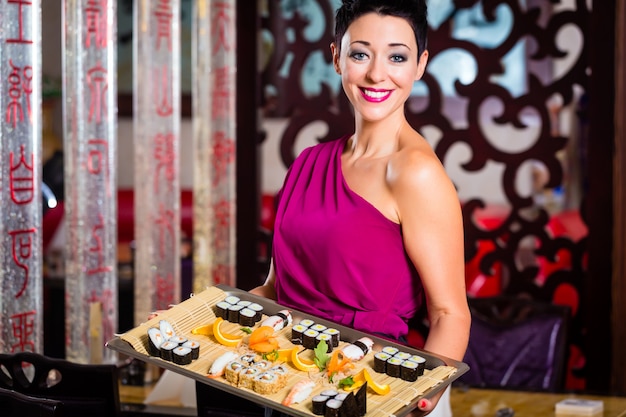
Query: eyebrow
point(365, 43)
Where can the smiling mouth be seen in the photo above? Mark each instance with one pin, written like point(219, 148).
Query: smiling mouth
point(375, 95)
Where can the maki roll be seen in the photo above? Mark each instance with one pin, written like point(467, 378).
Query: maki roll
point(326, 338)
point(221, 310)
point(155, 340)
point(195, 348)
point(266, 383)
point(332, 408)
point(403, 355)
point(421, 364)
point(232, 299)
point(247, 359)
point(393, 367)
point(281, 372)
point(309, 339)
point(408, 371)
point(319, 404)
point(258, 310)
point(247, 317)
point(297, 333)
point(330, 393)
point(318, 327)
point(262, 364)
point(334, 334)
point(179, 340)
point(349, 407)
point(307, 323)
point(166, 329)
point(390, 350)
point(167, 349)
point(233, 313)
point(182, 355)
point(232, 370)
point(380, 362)
point(246, 377)
point(244, 303)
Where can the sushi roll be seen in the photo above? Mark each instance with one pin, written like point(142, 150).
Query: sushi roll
point(421, 364)
point(155, 340)
point(279, 320)
point(361, 399)
point(166, 329)
point(179, 340)
point(307, 323)
point(358, 349)
point(403, 355)
point(182, 355)
point(408, 371)
point(393, 367)
point(258, 310)
point(221, 309)
point(167, 349)
point(233, 313)
point(341, 396)
point(349, 406)
point(297, 333)
point(195, 348)
point(218, 367)
point(262, 365)
point(390, 350)
point(232, 299)
point(334, 334)
point(332, 408)
point(318, 327)
point(380, 362)
point(244, 303)
point(326, 338)
point(309, 339)
point(319, 404)
point(246, 377)
point(247, 317)
point(282, 372)
point(232, 371)
point(330, 393)
point(266, 383)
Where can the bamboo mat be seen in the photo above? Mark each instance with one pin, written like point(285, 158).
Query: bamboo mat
point(198, 310)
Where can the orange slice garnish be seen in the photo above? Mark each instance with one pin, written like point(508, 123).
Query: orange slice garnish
point(380, 389)
point(204, 330)
point(224, 338)
point(302, 364)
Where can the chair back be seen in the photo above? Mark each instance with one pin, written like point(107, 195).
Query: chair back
point(14, 404)
point(83, 389)
point(517, 344)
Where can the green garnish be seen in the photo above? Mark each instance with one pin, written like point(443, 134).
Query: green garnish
point(346, 382)
point(321, 355)
point(246, 330)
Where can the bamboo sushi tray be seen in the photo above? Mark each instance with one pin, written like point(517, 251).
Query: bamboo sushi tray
point(200, 310)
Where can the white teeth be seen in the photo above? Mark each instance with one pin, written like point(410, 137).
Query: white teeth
point(375, 94)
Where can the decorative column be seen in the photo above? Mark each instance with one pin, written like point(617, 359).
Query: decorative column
point(214, 78)
point(21, 307)
point(90, 142)
point(157, 135)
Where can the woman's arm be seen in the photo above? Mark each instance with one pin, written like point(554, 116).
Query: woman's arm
point(267, 290)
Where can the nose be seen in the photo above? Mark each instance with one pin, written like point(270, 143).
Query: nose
point(377, 70)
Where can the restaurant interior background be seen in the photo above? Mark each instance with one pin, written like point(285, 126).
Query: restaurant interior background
point(518, 102)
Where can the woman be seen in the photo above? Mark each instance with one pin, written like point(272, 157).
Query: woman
point(369, 225)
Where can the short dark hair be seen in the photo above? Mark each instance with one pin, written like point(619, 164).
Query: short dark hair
point(413, 11)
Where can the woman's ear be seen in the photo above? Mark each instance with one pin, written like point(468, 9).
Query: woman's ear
point(335, 51)
point(421, 65)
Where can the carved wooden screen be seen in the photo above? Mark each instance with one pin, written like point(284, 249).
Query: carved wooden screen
point(515, 121)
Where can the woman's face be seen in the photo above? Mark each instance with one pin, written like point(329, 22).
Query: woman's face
point(378, 64)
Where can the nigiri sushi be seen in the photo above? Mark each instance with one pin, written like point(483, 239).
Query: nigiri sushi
point(299, 392)
point(279, 320)
point(219, 365)
point(358, 349)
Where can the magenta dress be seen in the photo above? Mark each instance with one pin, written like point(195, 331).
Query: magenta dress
point(335, 255)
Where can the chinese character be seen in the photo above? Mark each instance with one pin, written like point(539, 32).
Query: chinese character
point(222, 28)
point(164, 291)
point(165, 224)
point(162, 88)
point(164, 18)
point(20, 21)
point(165, 161)
point(97, 159)
point(223, 155)
point(22, 179)
point(20, 82)
point(23, 329)
point(223, 221)
point(97, 249)
point(22, 250)
point(221, 93)
point(96, 22)
point(97, 83)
